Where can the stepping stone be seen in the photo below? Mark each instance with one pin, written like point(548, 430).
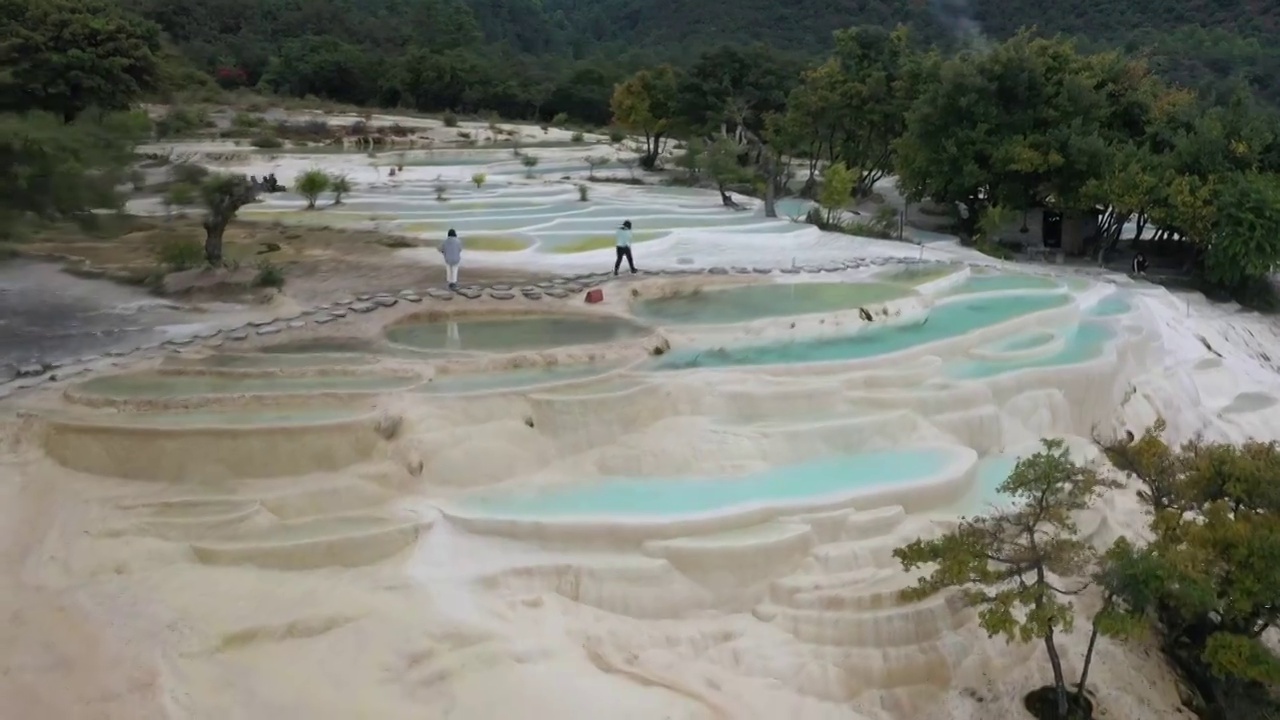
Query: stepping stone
point(546, 285)
point(121, 353)
point(500, 287)
point(238, 335)
point(206, 334)
point(386, 301)
point(437, 295)
point(344, 301)
point(500, 295)
point(573, 289)
point(533, 294)
point(528, 288)
point(311, 311)
point(295, 324)
point(181, 341)
point(325, 319)
point(214, 344)
point(810, 268)
point(761, 271)
point(740, 270)
point(363, 307)
point(269, 330)
point(411, 298)
point(261, 323)
point(469, 294)
point(88, 359)
point(557, 294)
point(364, 298)
point(791, 270)
point(718, 271)
point(287, 318)
point(339, 313)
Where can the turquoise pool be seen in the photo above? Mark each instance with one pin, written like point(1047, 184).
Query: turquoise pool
point(787, 485)
point(513, 334)
point(1086, 343)
point(1112, 305)
point(754, 302)
point(946, 321)
point(151, 385)
point(1004, 283)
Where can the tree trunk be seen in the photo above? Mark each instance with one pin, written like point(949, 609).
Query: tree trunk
point(1088, 656)
point(213, 230)
point(769, 162)
point(1059, 681)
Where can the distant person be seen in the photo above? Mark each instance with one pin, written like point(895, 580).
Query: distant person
point(451, 249)
point(1139, 265)
point(622, 243)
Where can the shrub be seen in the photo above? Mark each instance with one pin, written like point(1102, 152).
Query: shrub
point(245, 121)
point(577, 137)
point(177, 254)
point(310, 184)
point(479, 179)
point(616, 135)
point(560, 120)
point(464, 134)
point(449, 119)
point(269, 275)
point(188, 173)
point(529, 162)
point(546, 128)
point(584, 193)
point(179, 195)
point(181, 121)
point(267, 142)
point(340, 185)
point(440, 189)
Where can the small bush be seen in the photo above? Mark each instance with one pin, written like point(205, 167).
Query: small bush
point(529, 162)
point(179, 195)
point(177, 254)
point(180, 121)
point(546, 128)
point(584, 193)
point(616, 135)
point(269, 275)
point(560, 120)
point(267, 142)
point(188, 173)
point(464, 134)
point(246, 121)
point(310, 184)
point(479, 179)
point(441, 189)
point(449, 119)
point(577, 137)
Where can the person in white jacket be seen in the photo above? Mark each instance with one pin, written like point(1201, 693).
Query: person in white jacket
point(451, 249)
point(622, 245)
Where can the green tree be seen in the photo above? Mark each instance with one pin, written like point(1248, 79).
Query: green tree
point(179, 195)
point(325, 67)
point(1216, 528)
point(51, 170)
point(223, 196)
point(66, 56)
point(311, 184)
point(529, 162)
point(723, 167)
point(838, 183)
point(1244, 242)
point(340, 185)
point(1007, 563)
point(646, 104)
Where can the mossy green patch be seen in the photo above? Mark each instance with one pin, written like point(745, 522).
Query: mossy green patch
point(598, 242)
point(494, 243)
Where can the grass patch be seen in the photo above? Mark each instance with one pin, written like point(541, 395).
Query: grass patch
point(598, 242)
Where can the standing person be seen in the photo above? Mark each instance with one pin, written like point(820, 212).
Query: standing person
point(451, 249)
point(622, 243)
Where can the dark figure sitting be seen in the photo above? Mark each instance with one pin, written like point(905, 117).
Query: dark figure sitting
point(1139, 266)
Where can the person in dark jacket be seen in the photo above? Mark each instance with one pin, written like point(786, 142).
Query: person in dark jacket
point(1139, 265)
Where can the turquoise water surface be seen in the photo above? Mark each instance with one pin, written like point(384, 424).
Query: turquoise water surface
point(753, 302)
point(1111, 305)
point(511, 379)
point(790, 484)
point(1086, 343)
point(1004, 283)
point(512, 334)
point(946, 321)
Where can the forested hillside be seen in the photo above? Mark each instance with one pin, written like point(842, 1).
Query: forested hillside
point(512, 55)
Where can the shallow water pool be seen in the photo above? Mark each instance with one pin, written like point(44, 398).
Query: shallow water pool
point(1004, 283)
point(1111, 305)
point(514, 334)
point(787, 485)
point(511, 379)
point(753, 302)
point(946, 321)
point(150, 385)
point(1086, 343)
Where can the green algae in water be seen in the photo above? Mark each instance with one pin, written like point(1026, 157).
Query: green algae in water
point(946, 321)
point(791, 484)
point(514, 334)
point(147, 385)
point(754, 302)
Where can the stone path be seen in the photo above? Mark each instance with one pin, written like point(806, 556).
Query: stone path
point(340, 309)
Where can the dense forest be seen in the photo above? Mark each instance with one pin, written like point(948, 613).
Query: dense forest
point(525, 57)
